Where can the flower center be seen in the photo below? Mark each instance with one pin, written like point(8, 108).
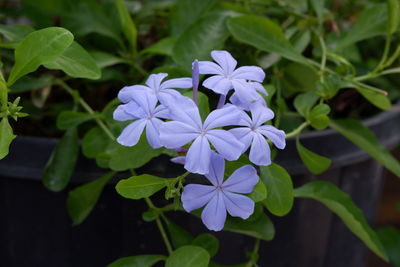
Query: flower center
point(202, 132)
point(150, 116)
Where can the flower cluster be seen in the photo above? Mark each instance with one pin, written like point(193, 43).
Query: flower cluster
point(173, 121)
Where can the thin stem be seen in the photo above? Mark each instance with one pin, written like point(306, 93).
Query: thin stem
point(298, 130)
point(323, 59)
point(3, 95)
point(86, 107)
point(251, 262)
point(384, 55)
point(393, 57)
point(160, 227)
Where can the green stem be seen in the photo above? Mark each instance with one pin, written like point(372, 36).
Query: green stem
point(160, 227)
point(395, 55)
point(384, 55)
point(86, 107)
point(3, 95)
point(298, 130)
point(252, 262)
point(323, 59)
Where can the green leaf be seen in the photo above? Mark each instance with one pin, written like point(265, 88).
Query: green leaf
point(137, 187)
point(104, 60)
point(329, 88)
point(198, 40)
point(61, 164)
point(202, 103)
point(208, 242)
point(179, 236)
point(259, 192)
point(82, 199)
point(257, 225)
point(318, 6)
point(390, 238)
point(393, 15)
point(366, 140)
point(265, 35)
point(94, 142)
point(299, 78)
point(162, 47)
point(137, 261)
point(280, 189)
point(318, 116)
point(70, 119)
point(76, 62)
point(304, 102)
point(15, 33)
point(6, 137)
point(125, 158)
point(377, 99)
point(127, 24)
point(315, 163)
point(341, 204)
point(27, 83)
point(188, 256)
point(370, 23)
point(180, 20)
point(39, 47)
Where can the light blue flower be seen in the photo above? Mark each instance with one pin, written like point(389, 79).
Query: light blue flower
point(221, 197)
point(235, 100)
point(146, 115)
point(254, 133)
point(226, 77)
point(187, 127)
point(154, 85)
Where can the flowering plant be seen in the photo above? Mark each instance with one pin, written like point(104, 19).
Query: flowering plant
point(322, 68)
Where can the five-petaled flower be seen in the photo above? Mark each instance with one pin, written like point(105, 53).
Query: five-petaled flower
point(187, 126)
point(154, 85)
point(253, 134)
point(226, 77)
point(221, 196)
point(147, 115)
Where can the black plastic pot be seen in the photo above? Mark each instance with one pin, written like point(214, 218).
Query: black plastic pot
point(35, 229)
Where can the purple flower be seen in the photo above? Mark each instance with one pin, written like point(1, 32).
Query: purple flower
point(235, 100)
point(187, 126)
point(254, 133)
point(155, 85)
point(221, 196)
point(226, 77)
point(147, 115)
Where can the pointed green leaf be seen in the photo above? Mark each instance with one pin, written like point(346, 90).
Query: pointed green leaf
point(137, 261)
point(393, 14)
point(304, 102)
point(280, 189)
point(137, 187)
point(390, 238)
point(39, 47)
point(208, 242)
point(127, 24)
point(259, 192)
point(82, 199)
point(265, 35)
point(94, 142)
point(61, 164)
point(315, 163)
point(70, 119)
point(341, 204)
point(366, 140)
point(76, 62)
point(6, 137)
point(179, 236)
point(162, 47)
point(377, 99)
point(188, 256)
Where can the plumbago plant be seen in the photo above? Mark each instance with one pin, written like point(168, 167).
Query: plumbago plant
point(315, 58)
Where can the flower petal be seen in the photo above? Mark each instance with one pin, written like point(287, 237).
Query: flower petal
point(227, 116)
point(127, 93)
point(244, 135)
point(186, 111)
point(208, 67)
point(154, 80)
point(242, 180)
point(225, 60)
point(217, 169)
point(198, 156)
point(168, 97)
point(238, 205)
point(146, 100)
point(260, 153)
point(152, 132)
point(225, 143)
point(252, 73)
point(120, 113)
point(245, 92)
point(195, 196)
point(219, 84)
point(175, 134)
point(131, 134)
point(259, 87)
point(278, 137)
point(260, 114)
point(177, 83)
point(179, 160)
point(214, 214)
point(161, 111)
